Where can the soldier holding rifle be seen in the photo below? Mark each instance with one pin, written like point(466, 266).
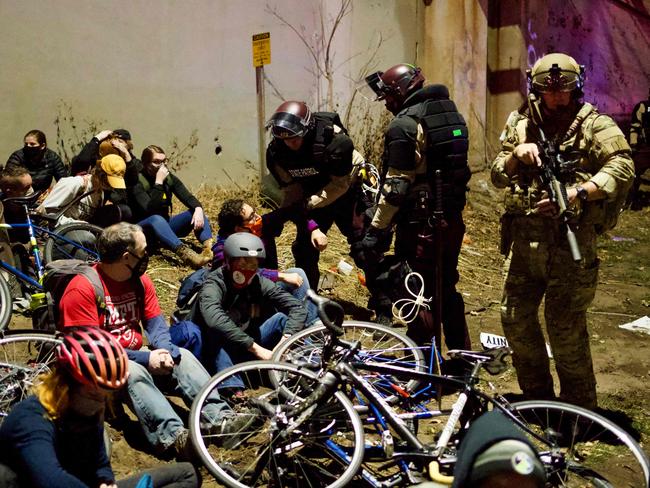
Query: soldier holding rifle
point(566, 169)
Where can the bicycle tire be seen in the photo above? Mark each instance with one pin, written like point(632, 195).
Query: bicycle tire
point(581, 446)
point(6, 304)
point(83, 246)
point(325, 449)
point(24, 355)
point(379, 344)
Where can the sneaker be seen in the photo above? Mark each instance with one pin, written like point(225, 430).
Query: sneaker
point(234, 427)
point(183, 446)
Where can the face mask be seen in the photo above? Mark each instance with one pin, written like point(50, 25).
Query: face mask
point(31, 152)
point(241, 278)
point(140, 266)
point(255, 226)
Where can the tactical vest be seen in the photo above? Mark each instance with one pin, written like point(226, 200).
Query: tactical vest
point(447, 143)
point(312, 172)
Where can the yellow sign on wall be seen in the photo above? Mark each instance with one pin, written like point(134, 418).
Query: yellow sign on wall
point(261, 49)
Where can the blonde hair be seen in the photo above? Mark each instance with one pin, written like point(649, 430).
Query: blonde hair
point(53, 391)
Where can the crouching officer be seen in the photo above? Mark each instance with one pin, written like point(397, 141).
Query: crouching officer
point(423, 186)
point(315, 163)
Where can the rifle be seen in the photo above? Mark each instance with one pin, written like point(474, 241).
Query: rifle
point(439, 223)
point(554, 167)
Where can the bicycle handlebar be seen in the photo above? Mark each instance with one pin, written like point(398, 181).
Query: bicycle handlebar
point(330, 312)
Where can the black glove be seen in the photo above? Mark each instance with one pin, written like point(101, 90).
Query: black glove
point(369, 251)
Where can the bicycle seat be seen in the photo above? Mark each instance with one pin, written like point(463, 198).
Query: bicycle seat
point(493, 360)
point(29, 200)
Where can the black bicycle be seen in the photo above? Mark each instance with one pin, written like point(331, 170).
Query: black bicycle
point(307, 432)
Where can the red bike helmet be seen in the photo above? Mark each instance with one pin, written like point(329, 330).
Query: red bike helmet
point(291, 119)
point(93, 357)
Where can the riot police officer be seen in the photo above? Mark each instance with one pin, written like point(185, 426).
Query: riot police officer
point(597, 172)
point(423, 187)
point(313, 160)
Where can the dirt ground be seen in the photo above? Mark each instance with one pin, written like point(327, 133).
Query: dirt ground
point(621, 358)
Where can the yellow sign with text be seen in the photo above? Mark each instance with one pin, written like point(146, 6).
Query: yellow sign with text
point(261, 49)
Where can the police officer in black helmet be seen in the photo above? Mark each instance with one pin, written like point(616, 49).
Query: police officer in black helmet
point(423, 186)
point(314, 162)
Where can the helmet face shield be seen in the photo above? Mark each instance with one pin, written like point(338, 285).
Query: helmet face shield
point(291, 119)
point(372, 87)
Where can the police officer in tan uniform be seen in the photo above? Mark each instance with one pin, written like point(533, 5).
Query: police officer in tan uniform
point(539, 263)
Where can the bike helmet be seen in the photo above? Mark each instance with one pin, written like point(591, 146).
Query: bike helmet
point(398, 81)
point(555, 72)
point(291, 119)
point(93, 357)
point(243, 245)
point(510, 458)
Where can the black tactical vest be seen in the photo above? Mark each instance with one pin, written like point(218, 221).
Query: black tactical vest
point(447, 144)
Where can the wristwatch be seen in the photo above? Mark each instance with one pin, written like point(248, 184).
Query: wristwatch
point(582, 193)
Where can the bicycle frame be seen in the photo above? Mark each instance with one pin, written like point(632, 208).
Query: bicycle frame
point(385, 416)
point(35, 251)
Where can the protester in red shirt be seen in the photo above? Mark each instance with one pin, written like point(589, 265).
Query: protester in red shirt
point(131, 301)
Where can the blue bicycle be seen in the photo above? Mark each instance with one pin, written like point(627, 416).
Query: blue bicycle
point(70, 241)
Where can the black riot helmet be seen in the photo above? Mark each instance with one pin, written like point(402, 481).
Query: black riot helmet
point(395, 84)
point(290, 119)
point(399, 81)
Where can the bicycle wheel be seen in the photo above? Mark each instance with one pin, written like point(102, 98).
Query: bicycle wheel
point(321, 448)
point(6, 304)
point(379, 344)
point(24, 355)
point(73, 241)
point(583, 449)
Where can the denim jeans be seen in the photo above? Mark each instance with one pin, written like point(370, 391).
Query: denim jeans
point(300, 293)
point(159, 421)
point(219, 356)
point(179, 225)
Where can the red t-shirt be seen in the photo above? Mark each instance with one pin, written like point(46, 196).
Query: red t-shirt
point(78, 306)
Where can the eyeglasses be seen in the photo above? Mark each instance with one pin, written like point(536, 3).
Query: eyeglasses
point(132, 253)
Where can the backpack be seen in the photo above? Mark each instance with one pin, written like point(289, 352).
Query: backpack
point(324, 133)
point(188, 293)
point(58, 275)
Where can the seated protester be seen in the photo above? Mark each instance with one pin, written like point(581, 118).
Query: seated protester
point(236, 215)
point(243, 315)
point(15, 181)
point(96, 207)
point(42, 163)
point(151, 204)
point(131, 300)
point(55, 438)
point(106, 142)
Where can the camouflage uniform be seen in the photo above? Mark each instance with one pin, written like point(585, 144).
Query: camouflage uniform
point(539, 262)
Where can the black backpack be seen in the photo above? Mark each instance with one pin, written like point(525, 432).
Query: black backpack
point(58, 275)
point(188, 293)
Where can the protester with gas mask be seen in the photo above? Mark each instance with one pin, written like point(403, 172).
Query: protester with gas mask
point(130, 300)
point(243, 315)
point(43, 163)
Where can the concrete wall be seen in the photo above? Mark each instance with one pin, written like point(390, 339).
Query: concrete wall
point(165, 68)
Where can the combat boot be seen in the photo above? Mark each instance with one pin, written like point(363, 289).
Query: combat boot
point(190, 258)
point(207, 248)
